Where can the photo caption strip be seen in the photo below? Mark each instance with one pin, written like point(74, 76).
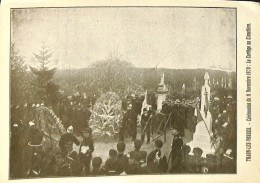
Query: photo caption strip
point(248, 92)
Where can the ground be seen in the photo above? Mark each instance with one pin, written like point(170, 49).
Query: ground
point(102, 148)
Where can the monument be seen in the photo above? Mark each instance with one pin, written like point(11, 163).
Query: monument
point(145, 105)
point(162, 92)
point(203, 131)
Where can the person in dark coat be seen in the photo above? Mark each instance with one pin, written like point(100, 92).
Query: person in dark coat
point(133, 167)
point(70, 165)
point(126, 123)
point(86, 149)
point(185, 158)
point(228, 163)
point(174, 163)
point(142, 154)
point(111, 163)
point(34, 153)
point(156, 161)
point(197, 162)
point(96, 164)
point(121, 158)
point(134, 114)
point(66, 136)
point(145, 123)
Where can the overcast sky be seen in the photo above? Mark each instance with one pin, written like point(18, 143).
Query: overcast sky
point(146, 37)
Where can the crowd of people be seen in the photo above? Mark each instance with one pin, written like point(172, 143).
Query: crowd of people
point(30, 158)
point(39, 162)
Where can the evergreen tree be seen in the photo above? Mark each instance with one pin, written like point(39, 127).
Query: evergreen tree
point(46, 90)
point(20, 78)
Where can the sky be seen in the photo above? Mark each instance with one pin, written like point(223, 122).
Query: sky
point(178, 38)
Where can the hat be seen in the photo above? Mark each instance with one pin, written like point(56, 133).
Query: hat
point(228, 154)
point(137, 144)
point(120, 146)
point(158, 143)
point(230, 97)
point(38, 105)
point(70, 129)
point(31, 123)
point(112, 152)
point(174, 132)
point(96, 162)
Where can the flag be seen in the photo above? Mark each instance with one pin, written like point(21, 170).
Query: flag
point(199, 116)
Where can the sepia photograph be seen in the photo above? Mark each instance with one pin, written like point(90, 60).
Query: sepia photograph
point(122, 90)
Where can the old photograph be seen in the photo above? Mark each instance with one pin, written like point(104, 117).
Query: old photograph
point(112, 91)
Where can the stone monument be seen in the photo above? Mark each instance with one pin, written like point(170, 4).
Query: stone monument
point(203, 131)
point(162, 92)
point(144, 105)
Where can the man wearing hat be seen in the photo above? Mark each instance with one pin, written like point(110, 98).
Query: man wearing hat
point(66, 136)
point(86, 149)
point(228, 162)
point(174, 162)
point(127, 123)
point(34, 148)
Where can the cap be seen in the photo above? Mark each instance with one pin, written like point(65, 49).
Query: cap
point(174, 132)
point(31, 123)
point(70, 129)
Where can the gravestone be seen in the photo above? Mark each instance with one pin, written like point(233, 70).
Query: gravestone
point(203, 131)
point(162, 92)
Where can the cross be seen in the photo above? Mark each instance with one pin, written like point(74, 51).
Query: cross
point(206, 93)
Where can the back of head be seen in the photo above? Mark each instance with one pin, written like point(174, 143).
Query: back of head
point(137, 144)
point(120, 146)
point(112, 153)
point(96, 162)
point(197, 152)
point(186, 149)
point(158, 143)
